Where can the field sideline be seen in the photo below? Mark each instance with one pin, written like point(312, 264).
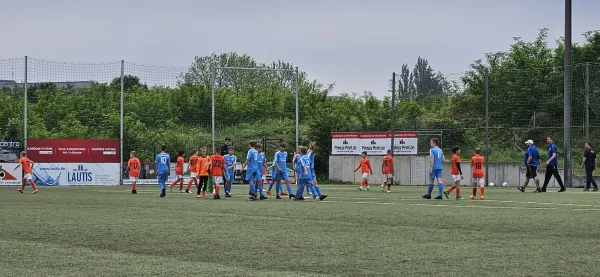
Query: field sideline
point(107, 231)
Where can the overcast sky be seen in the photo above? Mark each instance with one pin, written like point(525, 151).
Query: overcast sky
point(356, 44)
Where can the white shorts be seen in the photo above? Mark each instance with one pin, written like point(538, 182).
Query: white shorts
point(193, 174)
point(133, 179)
point(28, 176)
point(480, 181)
point(365, 175)
point(179, 177)
point(456, 178)
point(218, 179)
point(388, 176)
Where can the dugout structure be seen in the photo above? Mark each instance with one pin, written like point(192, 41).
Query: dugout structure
point(220, 69)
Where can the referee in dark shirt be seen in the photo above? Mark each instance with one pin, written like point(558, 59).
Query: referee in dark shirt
point(589, 163)
point(552, 166)
point(225, 147)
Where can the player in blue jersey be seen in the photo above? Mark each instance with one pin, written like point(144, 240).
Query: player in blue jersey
point(262, 167)
point(273, 172)
point(311, 155)
point(552, 166)
point(532, 160)
point(436, 158)
point(230, 161)
point(303, 172)
point(163, 162)
point(251, 165)
point(281, 172)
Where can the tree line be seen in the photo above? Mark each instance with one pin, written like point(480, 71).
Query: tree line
point(525, 101)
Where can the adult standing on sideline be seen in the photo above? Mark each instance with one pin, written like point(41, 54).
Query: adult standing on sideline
point(225, 147)
point(589, 163)
point(552, 166)
point(532, 157)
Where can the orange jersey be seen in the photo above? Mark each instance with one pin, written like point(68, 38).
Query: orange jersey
point(477, 166)
point(388, 165)
point(193, 163)
point(134, 167)
point(26, 164)
point(203, 165)
point(179, 166)
point(365, 165)
point(455, 163)
point(216, 165)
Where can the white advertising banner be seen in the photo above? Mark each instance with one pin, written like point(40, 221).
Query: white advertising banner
point(50, 174)
point(92, 174)
point(374, 143)
point(9, 176)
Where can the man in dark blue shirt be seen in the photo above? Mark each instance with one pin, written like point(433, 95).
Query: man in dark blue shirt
point(589, 163)
point(552, 166)
point(532, 160)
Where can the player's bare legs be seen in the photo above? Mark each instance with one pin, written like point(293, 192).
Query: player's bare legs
point(522, 188)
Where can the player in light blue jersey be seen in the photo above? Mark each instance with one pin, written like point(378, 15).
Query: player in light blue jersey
point(163, 162)
point(273, 169)
point(251, 165)
point(436, 158)
point(311, 155)
point(281, 172)
point(230, 161)
point(303, 172)
point(262, 169)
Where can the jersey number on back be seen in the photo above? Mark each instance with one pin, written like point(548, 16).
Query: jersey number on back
point(217, 163)
point(478, 166)
point(163, 160)
point(135, 165)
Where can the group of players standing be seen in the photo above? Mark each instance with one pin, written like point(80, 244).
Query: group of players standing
point(221, 168)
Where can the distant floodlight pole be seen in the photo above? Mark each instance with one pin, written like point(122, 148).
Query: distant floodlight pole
point(297, 108)
point(121, 129)
point(25, 106)
point(568, 170)
point(393, 123)
point(212, 113)
point(297, 83)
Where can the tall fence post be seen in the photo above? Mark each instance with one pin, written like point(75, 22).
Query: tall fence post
point(393, 123)
point(297, 107)
point(212, 116)
point(25, 107)
point(587, 102)
point(121, 119)
point(487, 124)
point(568, 171)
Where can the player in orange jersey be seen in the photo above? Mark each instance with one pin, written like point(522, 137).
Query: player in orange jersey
point(202, 172)
point(387, 168)
point(478, 174)
point(179, 172)
point(217, 162)
point(192, 167)
point(27, 165)
point(365, 166)
point(133, 166)
point(456, 173)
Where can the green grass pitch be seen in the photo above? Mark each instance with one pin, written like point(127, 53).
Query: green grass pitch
point(106, 231)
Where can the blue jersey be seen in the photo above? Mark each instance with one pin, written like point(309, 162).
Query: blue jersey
point(311, 157)
point(281, 159)
point(252, 160)
point(552, 150)
point(303, 161)
point(526, 157)
point(229, 161)
point(163, 161)
point(297, 159)
point(438, 157)
point(261, 161)
point(534, 154)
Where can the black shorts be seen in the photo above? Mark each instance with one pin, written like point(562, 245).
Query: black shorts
point(531, 171)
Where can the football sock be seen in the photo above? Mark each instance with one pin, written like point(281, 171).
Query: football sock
point(23, 185)
point(318, 189)
point(260, 190)
point(181, 185)
point(474, 191)
point(440, 189)
point(389, 187)
point(300, 191)
point(133, 186)
point(174, 183)
point(289, 189)
point(451, 188)
point(32, 185)
point(278, 189)
point(252, 189)
point(313, 190)
point(217, 190)
point(271, 186)
point(482, 191)
point(429, 189)
point(161, 185)
point(457, 192)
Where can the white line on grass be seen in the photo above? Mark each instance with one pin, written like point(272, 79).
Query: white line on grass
point(446, 205)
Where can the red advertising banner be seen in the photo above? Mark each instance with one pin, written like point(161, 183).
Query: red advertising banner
point(73, 151)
